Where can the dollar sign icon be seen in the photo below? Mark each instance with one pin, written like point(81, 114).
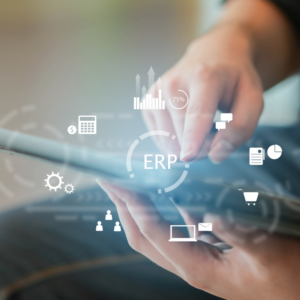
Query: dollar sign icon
point(72, 129)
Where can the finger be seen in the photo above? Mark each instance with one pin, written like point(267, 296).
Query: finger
point(170, 88)
point(157, 231)
point(177, 118)
point(206, 146)
point(208, 238)
point(205, 94)
point(256, 243)
point(246, 111)
point(135, 239)
point(188, 217)
point(161, 120)
point(151, 125)
point(164, 122)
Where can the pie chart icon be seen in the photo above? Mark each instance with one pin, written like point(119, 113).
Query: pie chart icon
point(274, 152)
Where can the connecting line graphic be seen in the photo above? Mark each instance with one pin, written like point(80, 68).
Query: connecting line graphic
point(136, 142)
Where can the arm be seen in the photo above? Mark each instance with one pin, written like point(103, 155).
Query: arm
point(273, 41)
point(251, 48)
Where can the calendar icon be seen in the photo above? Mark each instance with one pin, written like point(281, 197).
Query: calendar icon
point(87, 125)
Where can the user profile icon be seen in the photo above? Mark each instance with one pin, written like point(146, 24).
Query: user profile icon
point(108, 216)
point(117, 227)
point(99, 226)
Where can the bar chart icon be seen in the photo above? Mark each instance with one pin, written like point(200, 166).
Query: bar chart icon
point(149, 102)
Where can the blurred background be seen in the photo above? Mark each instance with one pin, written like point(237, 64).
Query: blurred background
point(62, 59)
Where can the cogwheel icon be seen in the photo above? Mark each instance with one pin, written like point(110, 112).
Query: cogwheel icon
point(69, 188)
point(60, 182)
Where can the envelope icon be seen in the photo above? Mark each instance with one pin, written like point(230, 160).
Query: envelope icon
point(205, 226)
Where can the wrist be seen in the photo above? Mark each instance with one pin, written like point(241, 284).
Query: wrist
point(238, 35)
point(227, 40)
point(273, 45)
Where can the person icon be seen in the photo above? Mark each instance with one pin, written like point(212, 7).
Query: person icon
point(108, 216)
point(117, 227)
point(99, 226)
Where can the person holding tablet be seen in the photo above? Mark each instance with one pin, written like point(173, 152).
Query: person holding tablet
point(253, 46)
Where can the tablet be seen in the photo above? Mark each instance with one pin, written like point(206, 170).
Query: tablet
point(85, 160)
point(275, 214)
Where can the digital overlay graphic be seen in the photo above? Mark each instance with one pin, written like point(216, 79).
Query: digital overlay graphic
point(158, 159)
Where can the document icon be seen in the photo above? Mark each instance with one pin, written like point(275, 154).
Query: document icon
point(204, 226)
point(256, 156)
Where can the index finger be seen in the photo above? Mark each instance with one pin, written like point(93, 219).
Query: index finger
point(205, 94)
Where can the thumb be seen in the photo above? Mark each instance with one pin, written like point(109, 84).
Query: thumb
point(255, 242)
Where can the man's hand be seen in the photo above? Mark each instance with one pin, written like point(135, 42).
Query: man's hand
point(217, 73)
point(268, 269)
point(252, 48)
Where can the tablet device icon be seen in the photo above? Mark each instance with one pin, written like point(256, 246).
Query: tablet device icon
point(274, 152)
point(185, 239)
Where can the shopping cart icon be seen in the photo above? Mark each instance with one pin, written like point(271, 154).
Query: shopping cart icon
point(250, 197)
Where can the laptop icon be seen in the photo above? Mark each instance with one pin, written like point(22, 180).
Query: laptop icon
point(190, 239)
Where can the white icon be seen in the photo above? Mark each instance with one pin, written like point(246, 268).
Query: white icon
point(256, 156)
point(117, 227)
point(205, 226)
point(99, 226)
point(180, 100)
point(190, 239)
point(56, 178)
point(72, 129)
point(54, 182)
point(225, 117)
point(274, 152)
point(87, 124)
point(108, 215)
point(220, 125)
point(148, 102)
point(250, 197)
point(69, 188)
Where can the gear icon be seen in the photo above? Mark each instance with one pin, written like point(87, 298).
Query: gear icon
point(69, 188)
point(60, 182)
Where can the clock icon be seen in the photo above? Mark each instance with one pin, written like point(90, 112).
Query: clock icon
point(274, 152)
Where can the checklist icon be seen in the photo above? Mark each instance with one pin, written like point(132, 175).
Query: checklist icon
point(256, 156)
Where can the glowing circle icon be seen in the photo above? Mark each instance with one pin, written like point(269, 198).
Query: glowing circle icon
point(274, 152)
point(179, 100)
point(137, 141)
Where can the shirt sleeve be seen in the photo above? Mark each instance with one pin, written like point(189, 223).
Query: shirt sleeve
point(291, 8)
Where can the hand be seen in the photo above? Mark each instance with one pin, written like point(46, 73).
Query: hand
point(265, 270)
point(218, 73)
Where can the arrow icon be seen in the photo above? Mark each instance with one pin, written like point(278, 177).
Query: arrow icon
point(137, 85)
point(159, 83)
point(150, 77)
point(144, 91)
